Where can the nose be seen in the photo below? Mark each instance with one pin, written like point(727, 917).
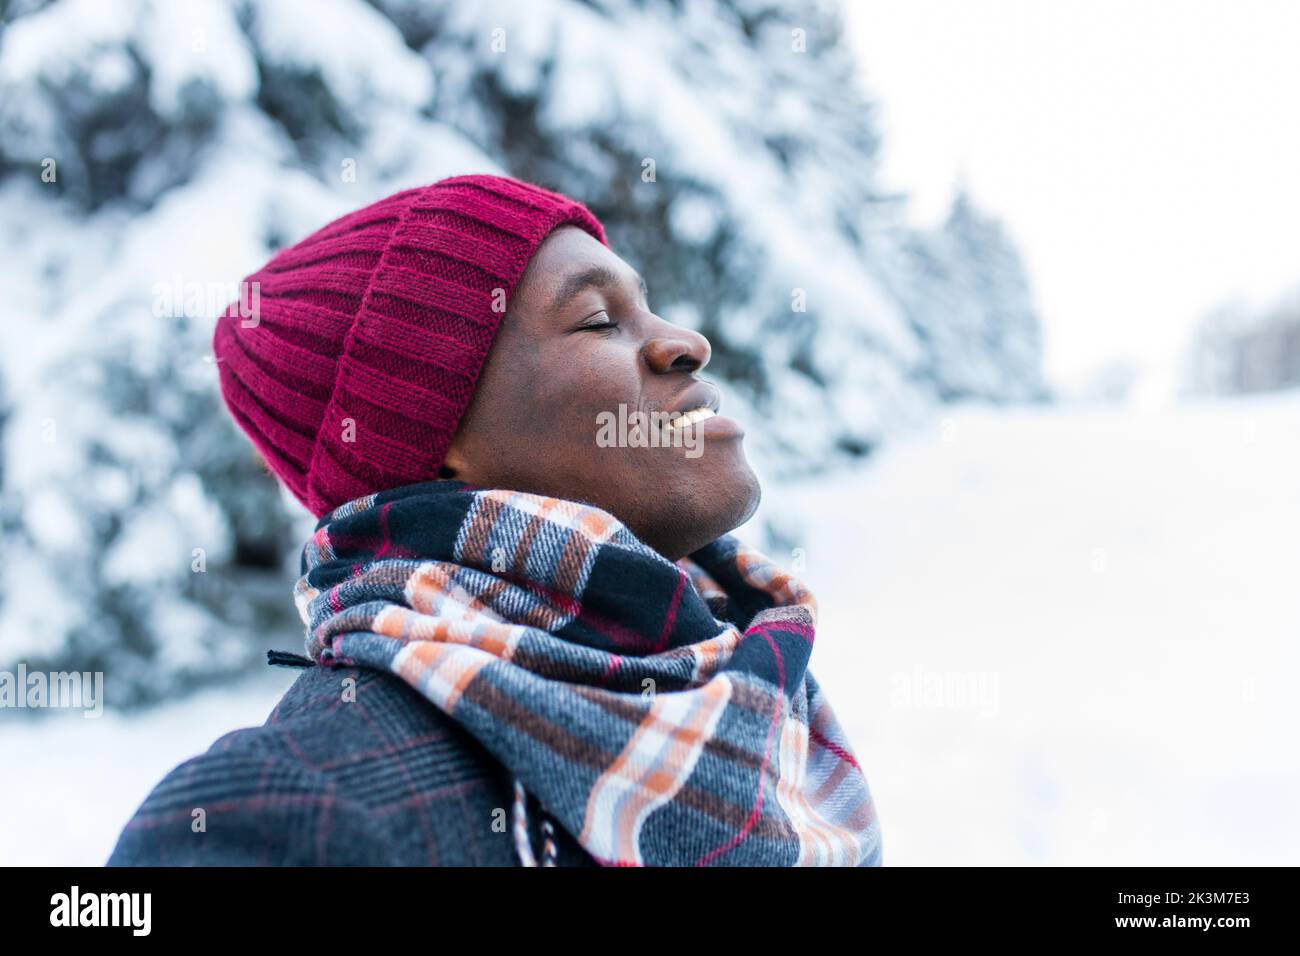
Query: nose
point(672, 348)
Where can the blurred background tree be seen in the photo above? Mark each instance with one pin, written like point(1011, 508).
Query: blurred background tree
point(152, 154)
point(1240, 349)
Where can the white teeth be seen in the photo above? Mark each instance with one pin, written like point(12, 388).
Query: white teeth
point(690, 418)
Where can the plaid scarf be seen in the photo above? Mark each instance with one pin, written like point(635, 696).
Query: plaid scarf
point(661, 712)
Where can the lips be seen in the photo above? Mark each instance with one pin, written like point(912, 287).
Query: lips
point(690, 418)
point(696, 404)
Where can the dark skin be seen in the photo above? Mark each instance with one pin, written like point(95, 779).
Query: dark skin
point(578, 339)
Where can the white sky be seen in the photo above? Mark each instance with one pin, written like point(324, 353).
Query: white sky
point(1145, 154)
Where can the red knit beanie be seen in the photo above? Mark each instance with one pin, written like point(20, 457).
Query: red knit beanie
point(350, 357)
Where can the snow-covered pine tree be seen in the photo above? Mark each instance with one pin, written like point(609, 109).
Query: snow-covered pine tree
point(966, 293)
point(154, 153)
point(1239, 348)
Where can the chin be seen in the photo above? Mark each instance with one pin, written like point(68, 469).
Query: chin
point(731, 480)
point(701, 506)
point(724, 505)
point(746, 493)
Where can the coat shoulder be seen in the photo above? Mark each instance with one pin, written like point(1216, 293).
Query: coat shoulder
point(238, 808)
point(353, 767)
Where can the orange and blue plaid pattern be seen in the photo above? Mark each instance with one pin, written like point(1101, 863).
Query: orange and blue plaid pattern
point(662, 712)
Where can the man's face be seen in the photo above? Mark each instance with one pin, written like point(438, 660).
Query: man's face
point(577, 341)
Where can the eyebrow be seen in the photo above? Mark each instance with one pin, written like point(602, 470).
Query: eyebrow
point(597, 277)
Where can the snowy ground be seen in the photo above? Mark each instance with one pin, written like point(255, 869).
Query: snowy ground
point(1070, 637)
point(1055, 637)
point(72, 782)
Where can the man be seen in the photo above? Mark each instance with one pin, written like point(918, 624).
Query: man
point(531, 638)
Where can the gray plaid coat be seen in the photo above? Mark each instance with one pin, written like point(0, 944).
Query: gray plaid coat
point(384, 780)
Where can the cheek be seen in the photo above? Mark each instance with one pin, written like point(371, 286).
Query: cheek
point(583, 381)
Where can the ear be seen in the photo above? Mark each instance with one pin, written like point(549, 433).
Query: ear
point(454, 464)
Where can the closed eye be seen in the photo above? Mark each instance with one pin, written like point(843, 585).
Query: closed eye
point(597, 326)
